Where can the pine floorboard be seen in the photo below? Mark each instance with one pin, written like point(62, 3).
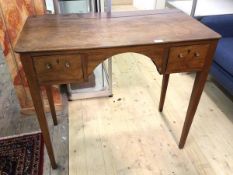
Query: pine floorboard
point(126, 135)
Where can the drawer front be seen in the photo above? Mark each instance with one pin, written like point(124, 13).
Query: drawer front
point(58, 68)
point(187, 58)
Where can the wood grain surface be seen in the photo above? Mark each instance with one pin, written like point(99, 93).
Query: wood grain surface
point(72, 32)
point(125, 135)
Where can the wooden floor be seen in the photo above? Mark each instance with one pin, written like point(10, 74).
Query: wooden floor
point(126, 135)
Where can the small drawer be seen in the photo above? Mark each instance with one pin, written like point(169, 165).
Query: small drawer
point(58, 68)
point(187, 58)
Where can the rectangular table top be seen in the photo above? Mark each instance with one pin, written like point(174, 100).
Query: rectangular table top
point(88, 31)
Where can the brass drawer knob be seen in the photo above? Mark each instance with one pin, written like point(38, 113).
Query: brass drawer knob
point(67, 64)
point(48, 66)
point(196, 54)
point(181, 55)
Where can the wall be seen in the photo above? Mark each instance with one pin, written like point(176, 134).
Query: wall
point(122, 2)
point(149, 4)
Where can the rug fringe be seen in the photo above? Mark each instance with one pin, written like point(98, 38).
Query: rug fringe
point(20, 135)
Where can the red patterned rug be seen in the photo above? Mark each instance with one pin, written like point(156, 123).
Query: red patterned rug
point(22, 155)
